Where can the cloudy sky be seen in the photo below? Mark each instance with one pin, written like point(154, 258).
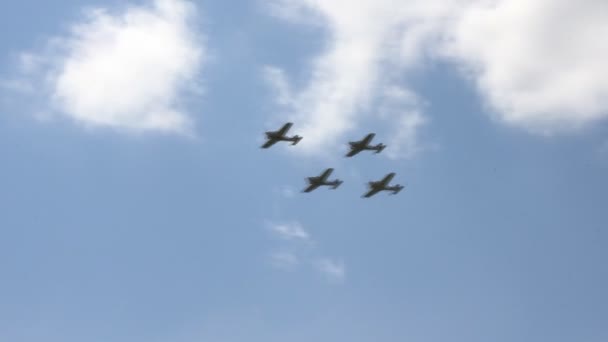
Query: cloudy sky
point(137, 204)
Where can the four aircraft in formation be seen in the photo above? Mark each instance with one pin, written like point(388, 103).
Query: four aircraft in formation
point(323, 179)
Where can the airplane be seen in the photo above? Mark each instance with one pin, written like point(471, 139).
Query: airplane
point(358, 146)
point(382, 185)
point(320, 180)
point(276, 136)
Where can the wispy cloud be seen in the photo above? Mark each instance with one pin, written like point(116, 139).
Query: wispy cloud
point(538, 64)
point(371, 45)
point(332, 269)
point(289, 231)
point(404, 109)
point(126, 70)
point(300, 250)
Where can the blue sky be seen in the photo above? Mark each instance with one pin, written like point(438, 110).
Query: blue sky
point(138, 206)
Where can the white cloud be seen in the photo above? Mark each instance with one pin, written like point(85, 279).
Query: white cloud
point(289, 231)
point(372, 44)
point(334, 270)
point(539, 64)
point(127, 70)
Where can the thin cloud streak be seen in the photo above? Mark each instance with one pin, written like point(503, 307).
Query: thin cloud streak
point(300, 250)
point(289, 231)
point(332, 269)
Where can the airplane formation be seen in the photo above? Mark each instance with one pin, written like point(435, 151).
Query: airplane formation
point(356, 147)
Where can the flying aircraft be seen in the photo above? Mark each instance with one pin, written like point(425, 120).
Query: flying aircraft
point(315, 182)
point(276, 136)
point(362, 145)
point(382, 185)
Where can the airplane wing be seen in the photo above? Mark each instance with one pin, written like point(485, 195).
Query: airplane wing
point(368, 139)
point(326, 174)
point(311, 187)
point(353, 151)
point(372, 192)
point(387, 179)
point(269, 143)
point(285, 129)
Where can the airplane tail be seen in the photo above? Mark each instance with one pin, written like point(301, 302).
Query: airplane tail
point(337, 184)
point(397, 189)
point(296, 140)
point(380, 148)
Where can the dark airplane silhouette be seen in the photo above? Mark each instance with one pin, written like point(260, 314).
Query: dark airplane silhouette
point(382, 185)
point(276, 136)
point(362, 145)
point(320, 180)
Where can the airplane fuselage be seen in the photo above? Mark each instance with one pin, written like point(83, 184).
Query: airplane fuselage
point(358, 146)
point(380, 186)
point(365, 147)
point(320, 182)
point(394, 188)
point(278, 136)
